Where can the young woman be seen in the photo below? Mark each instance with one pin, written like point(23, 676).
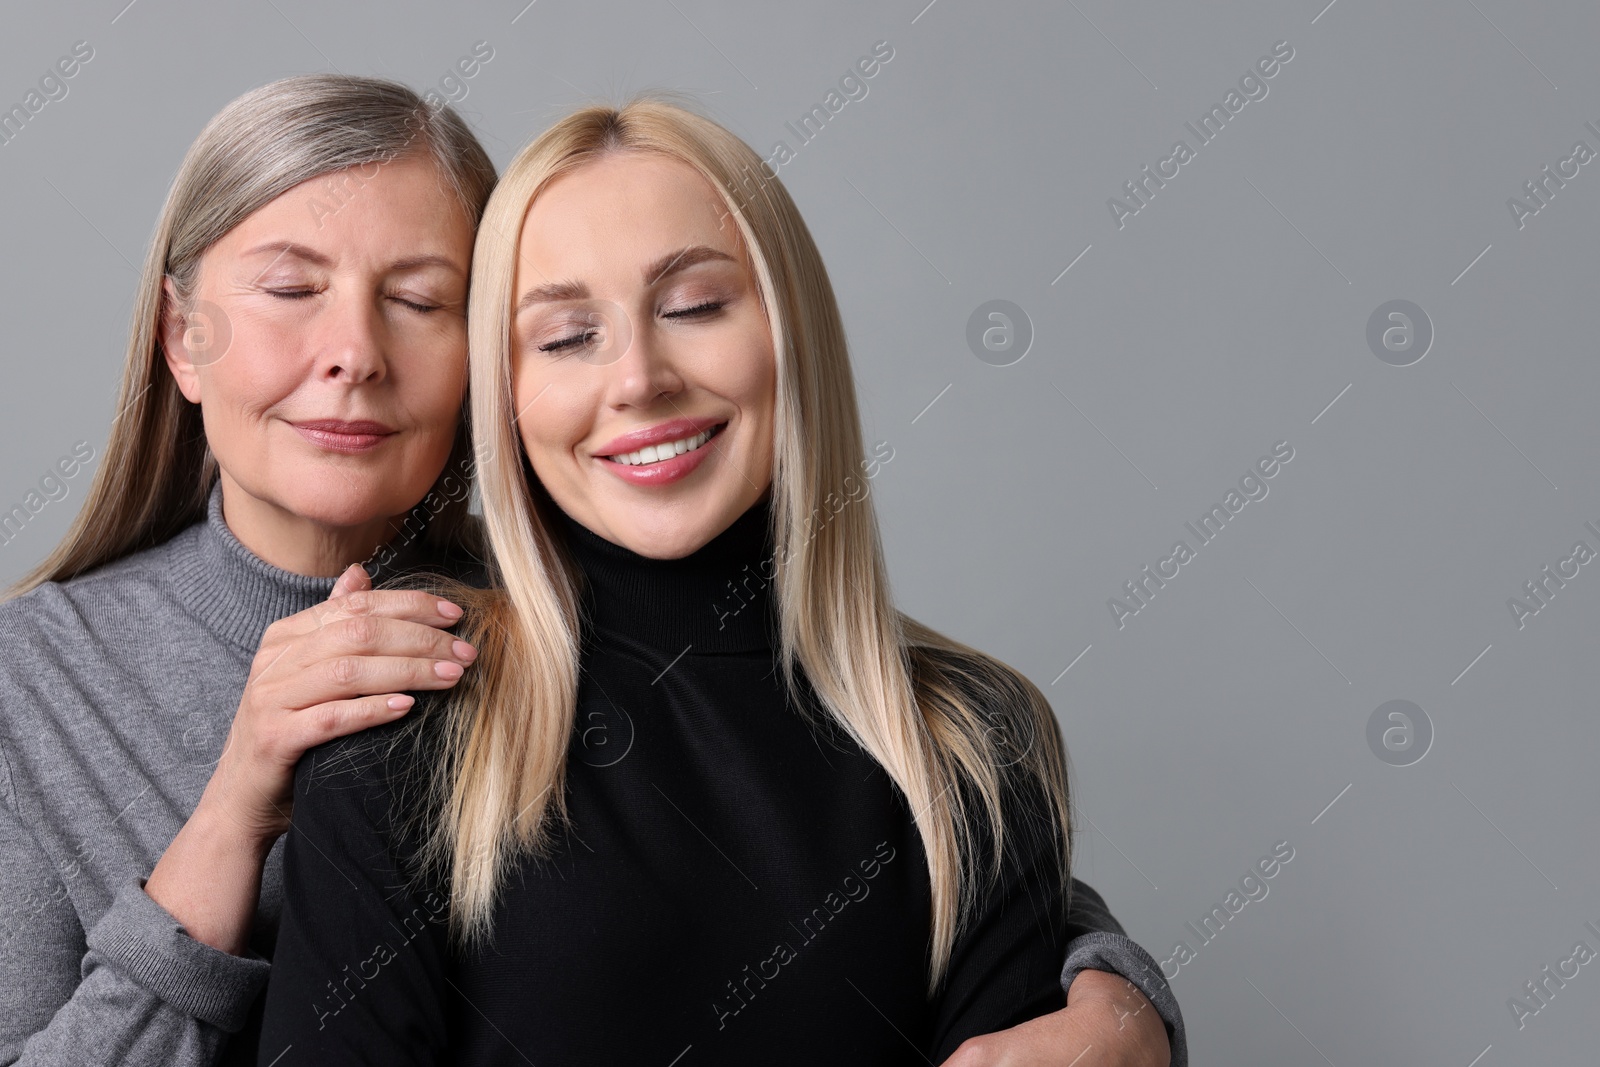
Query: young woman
point(708, 797)
point(291, 403)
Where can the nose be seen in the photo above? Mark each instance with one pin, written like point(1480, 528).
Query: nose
point(644, 373)
point(350, 346)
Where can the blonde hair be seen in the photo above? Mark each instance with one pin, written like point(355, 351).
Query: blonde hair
point(946, 721)
point(157, 469)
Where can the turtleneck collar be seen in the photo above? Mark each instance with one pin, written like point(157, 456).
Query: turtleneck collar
point(236, 593)
point(716, 599)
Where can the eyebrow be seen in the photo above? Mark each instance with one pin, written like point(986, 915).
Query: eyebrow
point(312, 256)
point(429, 259)
point(290, 248)
point(682, 259)
point(666, 265)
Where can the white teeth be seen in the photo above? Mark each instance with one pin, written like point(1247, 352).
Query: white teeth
point(657, 453)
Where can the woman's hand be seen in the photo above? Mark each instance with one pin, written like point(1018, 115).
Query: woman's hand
point(1107, 1023)
point(332, 670)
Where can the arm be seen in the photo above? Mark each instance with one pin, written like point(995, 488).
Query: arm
point(1100, 949)
point(1105, 1013)
point(358, 973)
point(1106, 1023)
point(165, 975)
point(1119, 1006)
point(332, 670)
point(1004, 966)
point(135, 991)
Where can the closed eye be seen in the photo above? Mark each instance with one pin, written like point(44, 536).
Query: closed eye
point(699, 309)
point(414, 306)
point(568, 342)
point(301, 294)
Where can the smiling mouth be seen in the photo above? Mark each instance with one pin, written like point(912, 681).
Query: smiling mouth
point(666, 450)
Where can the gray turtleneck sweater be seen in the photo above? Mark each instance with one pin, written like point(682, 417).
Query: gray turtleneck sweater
point(117, 690)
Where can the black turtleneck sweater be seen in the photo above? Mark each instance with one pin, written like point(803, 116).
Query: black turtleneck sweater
point(739, 884)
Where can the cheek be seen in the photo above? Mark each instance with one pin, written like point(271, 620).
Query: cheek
point(242, 386)
point(750, 374)
point(556, 403)
point(262, 365)
point(236, 401)
point(432, 379)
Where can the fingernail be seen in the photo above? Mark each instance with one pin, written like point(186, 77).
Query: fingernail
point(449, 610)
point(464, 651)
point(447, 670)
point(400, 703)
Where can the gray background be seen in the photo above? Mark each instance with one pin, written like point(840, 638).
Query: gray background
point(1226, 316)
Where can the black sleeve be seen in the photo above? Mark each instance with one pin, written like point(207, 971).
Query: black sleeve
point(1005, 967)
point(358, 974)
point(1088, 913)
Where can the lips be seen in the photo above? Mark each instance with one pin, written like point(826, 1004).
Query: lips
point(665, 450)
point(659, 434)
point(663, 464)
point(341, 435)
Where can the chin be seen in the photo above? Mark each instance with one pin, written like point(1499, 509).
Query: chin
point(653, 548)
point(662, 533)
point(345, 505)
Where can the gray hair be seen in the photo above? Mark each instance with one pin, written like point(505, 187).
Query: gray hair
point(273, 138)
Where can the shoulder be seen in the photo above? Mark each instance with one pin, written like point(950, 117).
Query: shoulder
point(370, 762)
point(375, 782)
point(968, 672)
point(1009, 729)
point(69, 646)
point(59, 631)
point(996, 706)
point(125, 591)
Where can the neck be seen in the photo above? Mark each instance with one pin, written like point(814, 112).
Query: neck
point(238, 594)
point(718, 598)
point(295, 543)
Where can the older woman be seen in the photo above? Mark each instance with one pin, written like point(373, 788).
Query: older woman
point(291, 404)
point(810, 829)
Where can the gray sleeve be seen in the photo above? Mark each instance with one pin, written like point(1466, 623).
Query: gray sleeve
point(41, 941)
point(1099, 943)
point(136, 990)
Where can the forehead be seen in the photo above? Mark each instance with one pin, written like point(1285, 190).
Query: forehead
point(618, 212)
point(383, 206)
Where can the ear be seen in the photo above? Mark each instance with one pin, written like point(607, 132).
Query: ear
point(174, 324)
